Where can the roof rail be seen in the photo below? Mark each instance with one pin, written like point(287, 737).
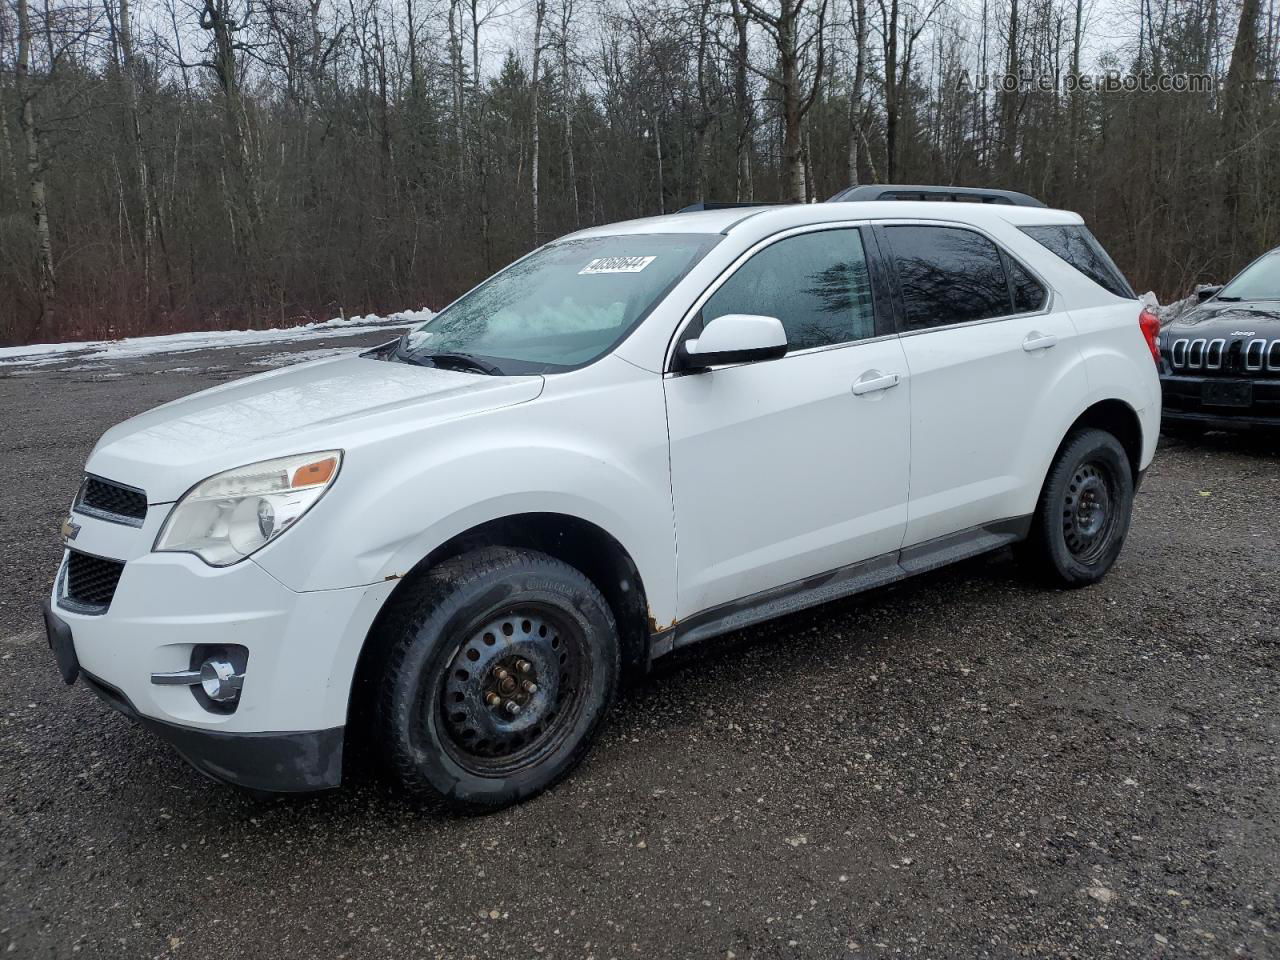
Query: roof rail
point(898, 191)
point(717, 205)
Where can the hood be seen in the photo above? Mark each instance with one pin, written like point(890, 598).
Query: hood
point(1248, 319)
point(329, 404)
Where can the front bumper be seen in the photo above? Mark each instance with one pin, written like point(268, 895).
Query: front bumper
point(291, 762)
point(1217, 421)
point(286, 730)
point(1183, 402)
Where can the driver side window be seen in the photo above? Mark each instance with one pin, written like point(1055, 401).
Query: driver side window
point(816, 283)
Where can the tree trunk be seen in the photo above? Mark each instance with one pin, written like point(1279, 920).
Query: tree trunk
point(1240, 115)
point(702, 124)
point(539, 17)
point(789, 68)
point(1009, 103)
point(45, 285)
point(855, 91)
point(455, 57)
point(745, 115)
point(1077, 100)
point(891, 93)
point(216, 17)
point(566, 106)
point(133, 132)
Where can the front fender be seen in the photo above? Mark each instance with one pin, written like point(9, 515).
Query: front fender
point(592, 447)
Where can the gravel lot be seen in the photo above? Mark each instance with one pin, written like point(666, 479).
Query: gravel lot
point(966, 766)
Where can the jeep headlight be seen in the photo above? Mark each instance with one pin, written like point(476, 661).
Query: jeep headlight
point(231, 515)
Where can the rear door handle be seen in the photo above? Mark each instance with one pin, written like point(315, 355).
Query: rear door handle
point(1036, 340)
point(873, 381)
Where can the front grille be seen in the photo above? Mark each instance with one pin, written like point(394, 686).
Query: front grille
point(89, 582)
point(112, 501)
point(1253, 357)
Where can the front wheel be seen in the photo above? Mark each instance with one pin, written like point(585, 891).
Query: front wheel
point(1084, 509)
point(501, 665)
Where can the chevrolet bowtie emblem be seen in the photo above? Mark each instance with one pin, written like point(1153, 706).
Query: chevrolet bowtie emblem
point(69, 529)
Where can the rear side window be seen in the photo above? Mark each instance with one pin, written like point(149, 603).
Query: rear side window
point(815, 283)
point(1028, 295)
point(1076, 245)
point(948, 275)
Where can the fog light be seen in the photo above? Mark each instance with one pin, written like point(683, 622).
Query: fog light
point(219, 680)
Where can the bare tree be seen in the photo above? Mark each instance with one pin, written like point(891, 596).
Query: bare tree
point(566, 108)
point(45, 286)
point(857, 87)
point(744, 108)
point(797, 29)
point(540, 16)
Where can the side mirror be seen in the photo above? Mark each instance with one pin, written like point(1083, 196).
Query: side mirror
point(735, 338)
point(1204, 292)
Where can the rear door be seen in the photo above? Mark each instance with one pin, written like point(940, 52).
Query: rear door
point(991, 359)
point(784, 469)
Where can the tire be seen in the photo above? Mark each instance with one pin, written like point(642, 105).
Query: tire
point(1084, 510)
point(515, 625)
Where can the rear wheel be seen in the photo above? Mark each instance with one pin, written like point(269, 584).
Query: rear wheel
point(501, 666)
point(1084, 510)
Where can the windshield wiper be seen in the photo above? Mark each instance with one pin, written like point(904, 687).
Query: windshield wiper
point(452, 361)
point(1223, 299)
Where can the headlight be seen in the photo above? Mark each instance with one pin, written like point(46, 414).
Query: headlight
point(231, 515)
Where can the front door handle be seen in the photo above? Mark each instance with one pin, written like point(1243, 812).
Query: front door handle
point(873, 381)
point(1036, 340)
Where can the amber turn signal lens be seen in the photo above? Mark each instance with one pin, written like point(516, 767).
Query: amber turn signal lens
point(314, 473)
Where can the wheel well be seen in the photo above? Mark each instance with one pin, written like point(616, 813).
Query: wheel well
point(1118, 419)
point(581, 544)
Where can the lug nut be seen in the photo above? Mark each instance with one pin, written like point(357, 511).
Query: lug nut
point(524, 666)
point(529, 686)
point(512, 707)
point(492, 699)
point(501, 673)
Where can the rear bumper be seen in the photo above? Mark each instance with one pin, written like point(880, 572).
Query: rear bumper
point(293, 762)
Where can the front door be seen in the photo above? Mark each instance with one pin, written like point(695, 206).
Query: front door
point(783, 469)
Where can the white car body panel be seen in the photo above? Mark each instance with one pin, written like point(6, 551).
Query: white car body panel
point(168, 450)
point(719, 485)
point(779, 472)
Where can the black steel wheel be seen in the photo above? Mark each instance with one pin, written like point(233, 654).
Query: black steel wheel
point(499, 667)
point(1084, 510)
point(1088, 511)
point(513, 689)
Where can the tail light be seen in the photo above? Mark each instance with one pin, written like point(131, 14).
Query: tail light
point(1150, 324)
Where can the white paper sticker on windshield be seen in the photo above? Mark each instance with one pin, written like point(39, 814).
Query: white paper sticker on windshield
point(617, 265)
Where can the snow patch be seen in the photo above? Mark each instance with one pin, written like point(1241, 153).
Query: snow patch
point(1170, 312)
point(42, 354)
point(289, 357)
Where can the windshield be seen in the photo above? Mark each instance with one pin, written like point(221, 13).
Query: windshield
point(562, 306)
point(1258, 281)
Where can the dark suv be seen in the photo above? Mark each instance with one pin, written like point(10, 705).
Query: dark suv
point(1220, 361)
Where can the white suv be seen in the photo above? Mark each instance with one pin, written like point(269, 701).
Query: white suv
point(638, 436)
